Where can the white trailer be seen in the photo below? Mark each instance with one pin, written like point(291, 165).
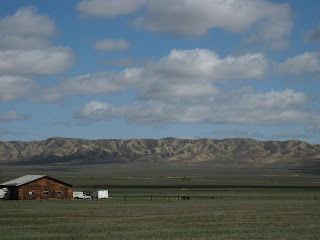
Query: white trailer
point(80, 195)
point(4, 193)
point(100, 194)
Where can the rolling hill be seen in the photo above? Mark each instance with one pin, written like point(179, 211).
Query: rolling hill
point(237, 152)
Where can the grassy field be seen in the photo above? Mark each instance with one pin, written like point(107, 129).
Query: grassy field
point(142, 206)
point(160, 219)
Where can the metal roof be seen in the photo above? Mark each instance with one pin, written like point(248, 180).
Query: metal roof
point(22, 180)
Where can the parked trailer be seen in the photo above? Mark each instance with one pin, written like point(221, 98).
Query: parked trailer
point(4, 193)
point(100, 194)
point(80, 195)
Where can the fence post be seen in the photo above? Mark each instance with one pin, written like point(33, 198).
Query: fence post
point(178, 197)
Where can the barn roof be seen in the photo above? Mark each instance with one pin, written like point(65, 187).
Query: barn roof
point(27, 179)
point(22, 180)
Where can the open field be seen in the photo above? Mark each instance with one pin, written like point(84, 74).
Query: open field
point(160, 219)
point(155, 175)
point(145, 205)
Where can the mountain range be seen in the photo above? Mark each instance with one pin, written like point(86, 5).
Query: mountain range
point(233, 152)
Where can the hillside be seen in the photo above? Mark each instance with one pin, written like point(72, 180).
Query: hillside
point(170, 151)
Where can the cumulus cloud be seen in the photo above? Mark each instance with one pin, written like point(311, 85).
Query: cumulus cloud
point(26, 30)
point(108, 8)
point(49, 61)
point(112, 45)
point(191, 73)
point(26, 51)
point(12, 115)
point(181, 74)
point(92, 84)
point(127, 62)
point(242, 106)
point(158, 91)
point(308, 62)
point(264, 20)
point(206, 64)
point(26, 48)
point(14, 87)
point(96, 110)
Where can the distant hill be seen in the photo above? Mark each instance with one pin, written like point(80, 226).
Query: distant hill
point(238, 152)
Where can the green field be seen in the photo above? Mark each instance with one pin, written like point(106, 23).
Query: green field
point(142, 206)
point(160, 219)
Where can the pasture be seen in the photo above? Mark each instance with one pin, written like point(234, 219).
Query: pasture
point(147, 207)
point(160, 219)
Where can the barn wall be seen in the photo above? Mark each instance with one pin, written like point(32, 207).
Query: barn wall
point(44, 184)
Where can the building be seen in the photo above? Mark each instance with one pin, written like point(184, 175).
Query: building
point(37, 187)
point(100, 194)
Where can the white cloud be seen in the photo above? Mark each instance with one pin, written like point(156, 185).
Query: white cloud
point(36, 62)
point(264, 20)
point(96, 110)
point(242, 107)
point(92, 84)
point(191, 73)
point(108, 8)
point(308, 62)
point(26, 51)
point(112, 45)
point(158, 91)
point(127, 62)
point(181, 74)
point(19, 42)
point(26, 48)
point(26, 30)
point(14, 87)
point(11, 116)
point(206, 64)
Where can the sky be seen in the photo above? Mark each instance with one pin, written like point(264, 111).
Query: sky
point(123, 69)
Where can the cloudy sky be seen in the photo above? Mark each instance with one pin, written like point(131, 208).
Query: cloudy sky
point(125, 69)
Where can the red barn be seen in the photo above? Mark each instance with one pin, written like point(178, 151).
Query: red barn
point(37, 187)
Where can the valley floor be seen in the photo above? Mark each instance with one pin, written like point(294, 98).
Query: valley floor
point(223, 205)
point(161, 218)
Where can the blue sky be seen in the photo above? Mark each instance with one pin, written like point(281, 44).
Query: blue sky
point(125, 69)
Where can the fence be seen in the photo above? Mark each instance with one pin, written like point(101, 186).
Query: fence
point(192, 197)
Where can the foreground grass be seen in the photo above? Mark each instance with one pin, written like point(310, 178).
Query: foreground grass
point(160, 219)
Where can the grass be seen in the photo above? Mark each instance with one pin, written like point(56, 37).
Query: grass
point(140, 218)
point(255, 207)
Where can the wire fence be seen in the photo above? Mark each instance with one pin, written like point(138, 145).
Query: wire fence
point(211, 198)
